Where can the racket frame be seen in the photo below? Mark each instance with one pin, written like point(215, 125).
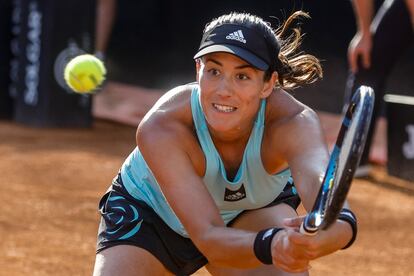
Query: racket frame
point(334, 189)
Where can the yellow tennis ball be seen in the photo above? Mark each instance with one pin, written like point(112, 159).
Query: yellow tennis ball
point(84, 73)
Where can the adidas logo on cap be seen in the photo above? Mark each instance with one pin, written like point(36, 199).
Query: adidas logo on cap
point(237, 35)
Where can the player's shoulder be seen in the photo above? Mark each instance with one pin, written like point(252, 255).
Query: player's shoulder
point(284, 111)
point(176, 93)
point(170, 117)
point(174, 102)
point(290, 126)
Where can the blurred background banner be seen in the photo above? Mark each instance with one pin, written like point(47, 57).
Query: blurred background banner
point(6, 101)
point(47, 34)
point(400, 110)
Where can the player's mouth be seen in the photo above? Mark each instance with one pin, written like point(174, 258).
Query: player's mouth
point(224, 108)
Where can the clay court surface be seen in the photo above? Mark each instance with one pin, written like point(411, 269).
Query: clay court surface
point(52, 179)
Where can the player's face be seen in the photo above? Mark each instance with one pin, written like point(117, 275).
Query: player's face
point(231, 90)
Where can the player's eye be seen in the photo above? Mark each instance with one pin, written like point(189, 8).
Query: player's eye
point(242, 77)
point(213, 72)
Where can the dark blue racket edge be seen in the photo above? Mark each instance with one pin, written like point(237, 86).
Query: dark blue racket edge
point(331, 196)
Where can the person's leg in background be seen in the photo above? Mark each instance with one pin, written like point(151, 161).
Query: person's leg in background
point(392, 36)
point(105, 17)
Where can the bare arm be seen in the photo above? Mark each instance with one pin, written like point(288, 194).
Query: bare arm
point(410, 5)
point(301, 142)
point(170, 150)
point(361, 43)
point(364, 10)
point(308, 157)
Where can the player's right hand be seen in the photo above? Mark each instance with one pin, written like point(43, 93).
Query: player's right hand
point(360, 47)
point(286, 255)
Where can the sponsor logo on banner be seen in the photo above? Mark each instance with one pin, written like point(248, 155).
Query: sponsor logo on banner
point(408, 147)
point(31, 80)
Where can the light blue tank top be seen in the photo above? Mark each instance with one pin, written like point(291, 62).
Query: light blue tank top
point(251, 188)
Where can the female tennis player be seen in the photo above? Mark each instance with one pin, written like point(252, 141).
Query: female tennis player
point(210, 182)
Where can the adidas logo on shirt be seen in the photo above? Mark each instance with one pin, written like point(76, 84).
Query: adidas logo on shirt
point(231, 195)
point(237, 35)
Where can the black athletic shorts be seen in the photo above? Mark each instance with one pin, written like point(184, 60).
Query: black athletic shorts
point(128, 221)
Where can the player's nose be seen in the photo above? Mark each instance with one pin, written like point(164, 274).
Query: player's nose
point(225, 88)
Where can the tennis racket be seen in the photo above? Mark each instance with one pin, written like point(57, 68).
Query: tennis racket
point(343, 162)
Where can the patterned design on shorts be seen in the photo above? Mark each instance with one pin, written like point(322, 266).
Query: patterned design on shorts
point(291, 184)
point(122, 219)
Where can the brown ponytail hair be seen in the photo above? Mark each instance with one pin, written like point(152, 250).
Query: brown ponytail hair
point(296, 68)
